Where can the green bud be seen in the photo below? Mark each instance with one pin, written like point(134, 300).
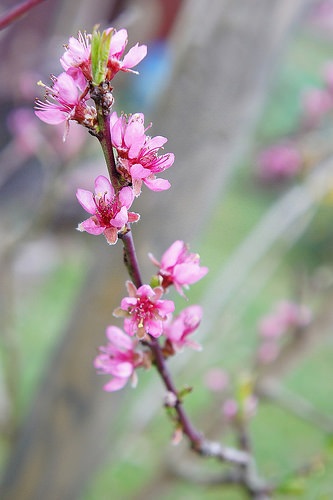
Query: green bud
point(100, 48)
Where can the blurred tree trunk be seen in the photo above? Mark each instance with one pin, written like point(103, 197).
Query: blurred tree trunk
point(223, 59)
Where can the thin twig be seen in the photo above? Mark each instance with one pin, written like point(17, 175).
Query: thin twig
point(16, 12)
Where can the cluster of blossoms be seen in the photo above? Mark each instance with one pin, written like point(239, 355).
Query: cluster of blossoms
point(147, 315)
point(239, 402)
point(83, 93)
point(75, 95)
point(286, 317)
point(286, 159)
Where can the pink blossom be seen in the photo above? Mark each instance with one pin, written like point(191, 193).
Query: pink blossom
point(69, 94)
point(137, 154)
point(119, 359)
point(216, 379)
point(316, 103)
point(144, 310)
point(179, 267)
point(286, 315)
point(328, 75)
point(280, 161)
point(77, 54)
point(268, 351)
point(182, 326)
point(118, 44)
point(109, 209)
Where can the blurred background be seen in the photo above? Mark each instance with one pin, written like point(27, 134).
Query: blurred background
point(244, 93)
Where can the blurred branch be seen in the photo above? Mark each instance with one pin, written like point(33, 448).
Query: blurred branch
point(275, 392)
point(16, 12)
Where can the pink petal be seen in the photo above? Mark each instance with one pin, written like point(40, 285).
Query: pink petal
point(137, 171)
point(165, 306)
point(157, 184)
point(126, 197)
point(154, 328)
point(103, 186)
point(156, 142)
point(172, 254)
point(117, 133)
point(86, 200)
point(52, 115)
point(134, 56)
point(118, 42)
point(115, 384)
point(120, 219)
point(119, 338)
point(123, 369)
point(189, 273)
point(91, 227)
point(68, 91)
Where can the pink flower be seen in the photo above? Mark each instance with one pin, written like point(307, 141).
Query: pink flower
point(179, 267)
point(280, 161)
point(316, 103)
point(144, 310)
point(109, 209)
point(286, 315)
point(138, 160)
point(77, 54)
point(182, 326)
point(119, 359)
point(118, 44)
point(69, 93)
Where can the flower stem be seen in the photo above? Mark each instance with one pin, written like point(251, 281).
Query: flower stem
point(104, 137)
point(130, 258)
point(196, 438)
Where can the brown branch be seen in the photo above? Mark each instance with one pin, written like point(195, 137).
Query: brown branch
point(16, 12)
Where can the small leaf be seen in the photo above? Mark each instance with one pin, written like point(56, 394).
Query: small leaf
point(100, 48)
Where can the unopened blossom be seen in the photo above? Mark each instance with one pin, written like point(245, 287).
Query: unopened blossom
point(66, 100)
point(109, 209)
point(138, 160)
point(117, 61)
point(281, 161)
point(144, 310)
point(178, 330)
point(179, 267)
point(118, 358)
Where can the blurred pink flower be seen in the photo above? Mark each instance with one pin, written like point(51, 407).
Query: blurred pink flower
point(216, 379)
point(179, 267)
point(137, 153)
point(182, 326)
point(109, 209)
point(280, 161)
point(144, 310)
point(316, 103)
point(285, 315)
point(119, 359)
